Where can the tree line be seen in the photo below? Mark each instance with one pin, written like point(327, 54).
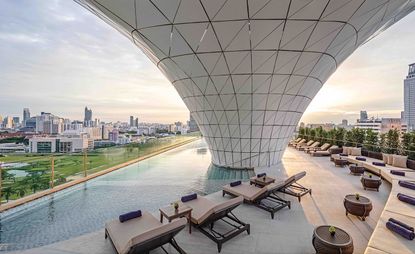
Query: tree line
point(393, 141)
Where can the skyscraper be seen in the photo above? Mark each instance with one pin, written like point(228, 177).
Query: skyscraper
point(26, 116)
point(136, 122)
point(88, 117)
point(247, 70)
point(131, 121)
point(363, 115)
point(409, 97)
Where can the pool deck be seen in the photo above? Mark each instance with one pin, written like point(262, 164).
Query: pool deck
point(289, 232)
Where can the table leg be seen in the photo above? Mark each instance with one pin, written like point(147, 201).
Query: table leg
point(161, 217)
point(190, 221)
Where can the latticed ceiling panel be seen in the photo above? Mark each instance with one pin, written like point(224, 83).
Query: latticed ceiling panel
point(248, 69)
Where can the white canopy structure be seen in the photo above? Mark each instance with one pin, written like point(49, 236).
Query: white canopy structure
point(248, 69)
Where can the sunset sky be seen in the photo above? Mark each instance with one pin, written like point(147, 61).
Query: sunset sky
point(57, 57)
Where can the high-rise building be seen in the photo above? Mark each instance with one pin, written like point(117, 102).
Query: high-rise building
point(409, 98)
point(247, 70)
point(131, 121)
point(8, 122)
point(16, 121)
point(26, 116)
point(363, 115)
point(136, 122)
point(192, 124)
point(345, 122)
point(88, 117)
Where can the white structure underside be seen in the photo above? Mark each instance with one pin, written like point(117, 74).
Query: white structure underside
point(248, 69)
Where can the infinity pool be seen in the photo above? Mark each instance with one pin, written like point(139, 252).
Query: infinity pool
point(84, 208)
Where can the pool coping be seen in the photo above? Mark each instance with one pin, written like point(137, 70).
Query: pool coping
point(24, 200)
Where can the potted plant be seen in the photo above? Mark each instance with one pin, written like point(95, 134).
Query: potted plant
point(370, 175)
point(332, 230)
point(357, 195)
point(175, 205)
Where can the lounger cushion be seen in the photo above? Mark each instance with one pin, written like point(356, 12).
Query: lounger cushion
point(325, 146)
point(320, 153)
point(247, 191)
point(228, 203)
point(356, 151)
point(202, 208)
point(399, 161)
point(132, 232)
point(300, 175)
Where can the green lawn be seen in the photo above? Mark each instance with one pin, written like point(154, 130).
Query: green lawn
point(70, 166)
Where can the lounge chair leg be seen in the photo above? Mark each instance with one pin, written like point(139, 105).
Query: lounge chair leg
point(299, 199)
point(106, 234)
point(223, 193)
point(248, 229)
point(219, 247)
point(272, 215)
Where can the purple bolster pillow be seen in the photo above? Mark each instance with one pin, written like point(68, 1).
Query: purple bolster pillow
point(378, 163)
point(406, 198)
point(261, 175)
point(236, 183)
point(343, 154)
point(361, 158)
point(407, 184)
point(397, 172)
point(129, 216)
point(400, 230)
point(402, 224)
point(189, 197)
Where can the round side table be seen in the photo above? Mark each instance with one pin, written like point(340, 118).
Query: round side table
point(326, 243)
point(360, 207)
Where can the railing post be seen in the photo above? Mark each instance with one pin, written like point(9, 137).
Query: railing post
point(52, 175)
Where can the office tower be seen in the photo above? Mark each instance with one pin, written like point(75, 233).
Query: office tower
point(345, 122)
point(26, 116)
point(136, 122)
point(88, 117)
point(16, 121)
point(409, 98)
point(131, 121)
point(8, 122)
point(247, 70)
point(192, 124)
point(363, 115)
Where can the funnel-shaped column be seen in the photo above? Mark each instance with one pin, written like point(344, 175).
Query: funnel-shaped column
point(248, 69)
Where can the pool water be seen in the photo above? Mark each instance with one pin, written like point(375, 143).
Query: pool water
point(147, 185)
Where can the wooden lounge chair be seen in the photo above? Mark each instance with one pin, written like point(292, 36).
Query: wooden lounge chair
point(262, 197)
point(293, 188)
point(303, 148)
point(323, 153)
point(292, 142)
point(324, 147)
point(299, 145)
point(303, 141)
point(206, 213)
point(143, 234)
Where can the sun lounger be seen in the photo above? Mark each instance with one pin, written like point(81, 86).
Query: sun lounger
point(293, 188)
point(206, 213)
point(262, 197)
point(292, 142)
point(303, 141)
point(143, 234)
point(303, 148)
point(304, 144)
point(324, 147)
point(323, 153)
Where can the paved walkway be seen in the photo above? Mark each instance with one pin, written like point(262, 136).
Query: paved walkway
point(289, 232)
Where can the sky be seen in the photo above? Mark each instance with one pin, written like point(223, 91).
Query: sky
point(57, 57)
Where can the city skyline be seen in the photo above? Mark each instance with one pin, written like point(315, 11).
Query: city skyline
point(34, 45)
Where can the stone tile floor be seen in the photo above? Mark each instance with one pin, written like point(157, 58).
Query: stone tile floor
point(289, 232)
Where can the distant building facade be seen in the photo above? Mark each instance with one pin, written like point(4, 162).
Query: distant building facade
point(363, 115)
point(26, 116)
point(409, 98)
point(61, 144)
point(88, 117)
point(192, 124)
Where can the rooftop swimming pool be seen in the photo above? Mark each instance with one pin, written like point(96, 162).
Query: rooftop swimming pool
point(147, 185)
